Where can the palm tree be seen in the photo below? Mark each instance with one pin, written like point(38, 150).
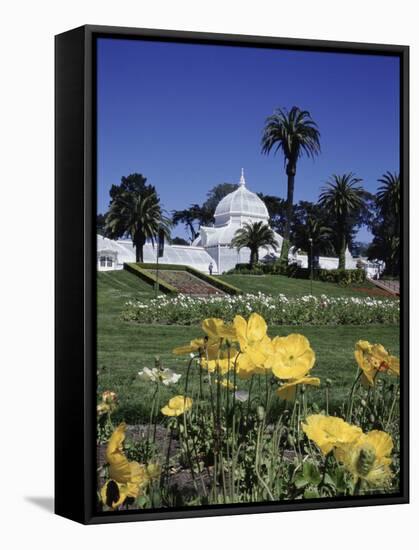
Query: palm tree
point(386, 226)
point(313, 237)
point(254, 236)
point(188, 217)
point(343, 198)
point(139, 215)
point(388, 200)
point(293, 132)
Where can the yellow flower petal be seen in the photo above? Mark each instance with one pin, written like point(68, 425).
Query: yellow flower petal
point(292, 356)
point(177, 406)
point(329, 432)
point(215, 328)
point(374, 358)
point(368, 457)
point(287, 391)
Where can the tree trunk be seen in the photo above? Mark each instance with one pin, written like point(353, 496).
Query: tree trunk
point(342, 252)
point(193, 232)
point(254, 257)
point(291, 169)
point(139, 242)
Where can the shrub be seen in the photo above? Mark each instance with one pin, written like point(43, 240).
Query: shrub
point(277, 310)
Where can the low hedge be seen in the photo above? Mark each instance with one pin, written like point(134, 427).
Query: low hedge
point(217, 283)
point(148, 277)
point(342, 277)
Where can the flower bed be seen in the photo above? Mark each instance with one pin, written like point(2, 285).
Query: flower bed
point(277, 310)
point(226, 445)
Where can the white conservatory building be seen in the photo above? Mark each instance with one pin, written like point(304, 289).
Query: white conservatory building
point(213, 245)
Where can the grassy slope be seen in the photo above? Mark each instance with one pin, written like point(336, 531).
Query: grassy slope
point(125, 348)
point(279, 284)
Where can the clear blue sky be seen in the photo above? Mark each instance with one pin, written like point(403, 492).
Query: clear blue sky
point(190, 116)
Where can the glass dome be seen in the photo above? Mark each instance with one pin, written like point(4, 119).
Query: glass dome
point(240, 203)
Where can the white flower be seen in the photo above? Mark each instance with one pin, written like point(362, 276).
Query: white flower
point(149, 374)
point(169, 377)
point(241, 395)
point(165, 376)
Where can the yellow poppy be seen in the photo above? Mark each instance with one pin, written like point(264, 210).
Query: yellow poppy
point(287, 391)
point(374, 358)
point(102, 408)
point(126, 477)
point(177, 406)
point(215, 328)
point(368, 458)
point(114, 494)
point(227, 384)
point(251, 362)
point(255, 345)
point(153, 471)
point(203, 346)
point(292, 356)
point(120, 468)
point(329, 432)
point(109, 396)
point(224, 362)
point(252, 332)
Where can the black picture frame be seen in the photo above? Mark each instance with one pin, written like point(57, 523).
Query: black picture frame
point(75, 269)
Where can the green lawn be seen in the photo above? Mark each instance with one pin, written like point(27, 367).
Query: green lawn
point(279, 284)
point(124, 348)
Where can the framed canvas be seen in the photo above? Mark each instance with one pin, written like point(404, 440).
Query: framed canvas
point(231, 274)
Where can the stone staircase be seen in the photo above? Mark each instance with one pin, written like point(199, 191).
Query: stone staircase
point(392, 287)
point(187, 283)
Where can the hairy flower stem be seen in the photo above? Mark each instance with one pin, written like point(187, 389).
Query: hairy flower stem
point(257, 461)
point(188, 452)
point(187, 375)
point(359, 486)
point(249, 399)
point(393, 404)
point(325, 465)
point(152, 420)
point(351, 396)
point(327, 400)
point(157, 405)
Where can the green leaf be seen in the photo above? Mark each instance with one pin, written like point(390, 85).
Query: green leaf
point(300, 481)
point(311, 492)
point(142, 501)
point(311, 473)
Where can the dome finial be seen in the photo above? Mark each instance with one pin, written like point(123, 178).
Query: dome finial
point(242, 180)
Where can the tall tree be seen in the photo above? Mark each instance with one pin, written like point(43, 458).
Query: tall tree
point(277, 209)
point(388, 200)
point(188, 218)
point(343, 198)
point(313, 237)
point(254, 236)
point(294, 133)
point(197, 215)
point(100, 224)
point(135, 210)
point(386, 224)
point(216, 194)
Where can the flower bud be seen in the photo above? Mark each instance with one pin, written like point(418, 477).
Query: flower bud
point(363, 403)
point(260, 413)
point(365, 461)
point(328, 382)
